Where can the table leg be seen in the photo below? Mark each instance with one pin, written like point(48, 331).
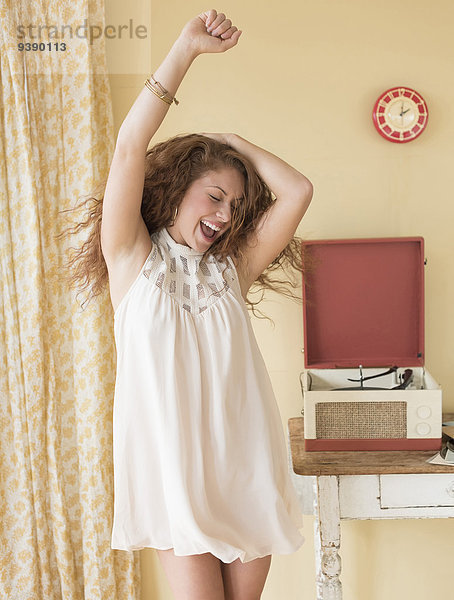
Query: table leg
point(327, 538)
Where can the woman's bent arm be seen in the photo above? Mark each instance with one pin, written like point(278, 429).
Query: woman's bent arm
point(293, 193)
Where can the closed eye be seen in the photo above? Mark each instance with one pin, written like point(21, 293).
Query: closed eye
point(216, 199)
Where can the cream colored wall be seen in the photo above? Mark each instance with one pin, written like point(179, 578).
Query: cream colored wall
point(302, 83)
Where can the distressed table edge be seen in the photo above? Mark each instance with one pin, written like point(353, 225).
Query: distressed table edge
point(357, 463)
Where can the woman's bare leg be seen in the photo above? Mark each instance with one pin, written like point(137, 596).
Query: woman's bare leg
point(195, 577)
point(245, 581)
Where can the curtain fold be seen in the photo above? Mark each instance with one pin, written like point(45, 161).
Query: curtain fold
point(57, 361)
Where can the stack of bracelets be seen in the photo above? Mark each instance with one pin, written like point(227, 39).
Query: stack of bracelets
point(159, 91)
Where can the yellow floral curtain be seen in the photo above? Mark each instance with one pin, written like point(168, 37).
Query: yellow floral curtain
point(57, 361)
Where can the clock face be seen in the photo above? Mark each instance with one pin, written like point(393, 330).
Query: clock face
point(400, 114)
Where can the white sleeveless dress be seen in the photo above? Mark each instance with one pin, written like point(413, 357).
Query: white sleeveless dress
point(200, 458)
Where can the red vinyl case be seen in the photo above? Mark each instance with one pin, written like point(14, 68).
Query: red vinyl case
point(363, 310)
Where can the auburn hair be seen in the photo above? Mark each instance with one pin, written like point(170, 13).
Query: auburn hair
point(171, 167)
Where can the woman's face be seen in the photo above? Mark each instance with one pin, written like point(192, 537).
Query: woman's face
point(205, 211)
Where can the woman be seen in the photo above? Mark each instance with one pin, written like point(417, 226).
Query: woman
point(187, 227)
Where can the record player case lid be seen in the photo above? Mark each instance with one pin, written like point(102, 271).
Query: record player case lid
point(363, 303)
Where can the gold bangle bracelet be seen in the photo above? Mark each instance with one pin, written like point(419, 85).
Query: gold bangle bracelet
point(163, 94)
point(163, 90)
point(156, 93)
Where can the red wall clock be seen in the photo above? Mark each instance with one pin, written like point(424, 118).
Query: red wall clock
point(400, 114)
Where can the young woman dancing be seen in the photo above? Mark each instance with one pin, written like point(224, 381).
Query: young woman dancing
point(187, 227)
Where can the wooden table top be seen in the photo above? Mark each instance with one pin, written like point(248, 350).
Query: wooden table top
point(358, 463)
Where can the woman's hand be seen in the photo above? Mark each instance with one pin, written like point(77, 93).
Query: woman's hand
point(224, 138)
point(210, 32)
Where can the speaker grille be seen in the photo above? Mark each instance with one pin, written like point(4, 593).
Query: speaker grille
point(361, 420)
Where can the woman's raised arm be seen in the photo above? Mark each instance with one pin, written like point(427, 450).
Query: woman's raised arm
point(124, 237)
point(207, 33)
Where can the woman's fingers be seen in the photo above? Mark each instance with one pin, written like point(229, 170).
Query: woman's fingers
point(232, 40)
point(221, 28)
point(219, 137)
point(208, 17)
point(212, 32)
point(220, 18)
point(228, 34)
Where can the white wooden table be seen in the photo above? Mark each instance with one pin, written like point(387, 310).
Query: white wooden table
point(363, 485)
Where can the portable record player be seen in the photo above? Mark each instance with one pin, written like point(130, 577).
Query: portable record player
point(365, 386)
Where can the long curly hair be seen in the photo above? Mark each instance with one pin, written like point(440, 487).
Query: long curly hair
point(170, 168)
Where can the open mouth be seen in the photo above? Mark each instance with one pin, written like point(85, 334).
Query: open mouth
point(208, 230)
